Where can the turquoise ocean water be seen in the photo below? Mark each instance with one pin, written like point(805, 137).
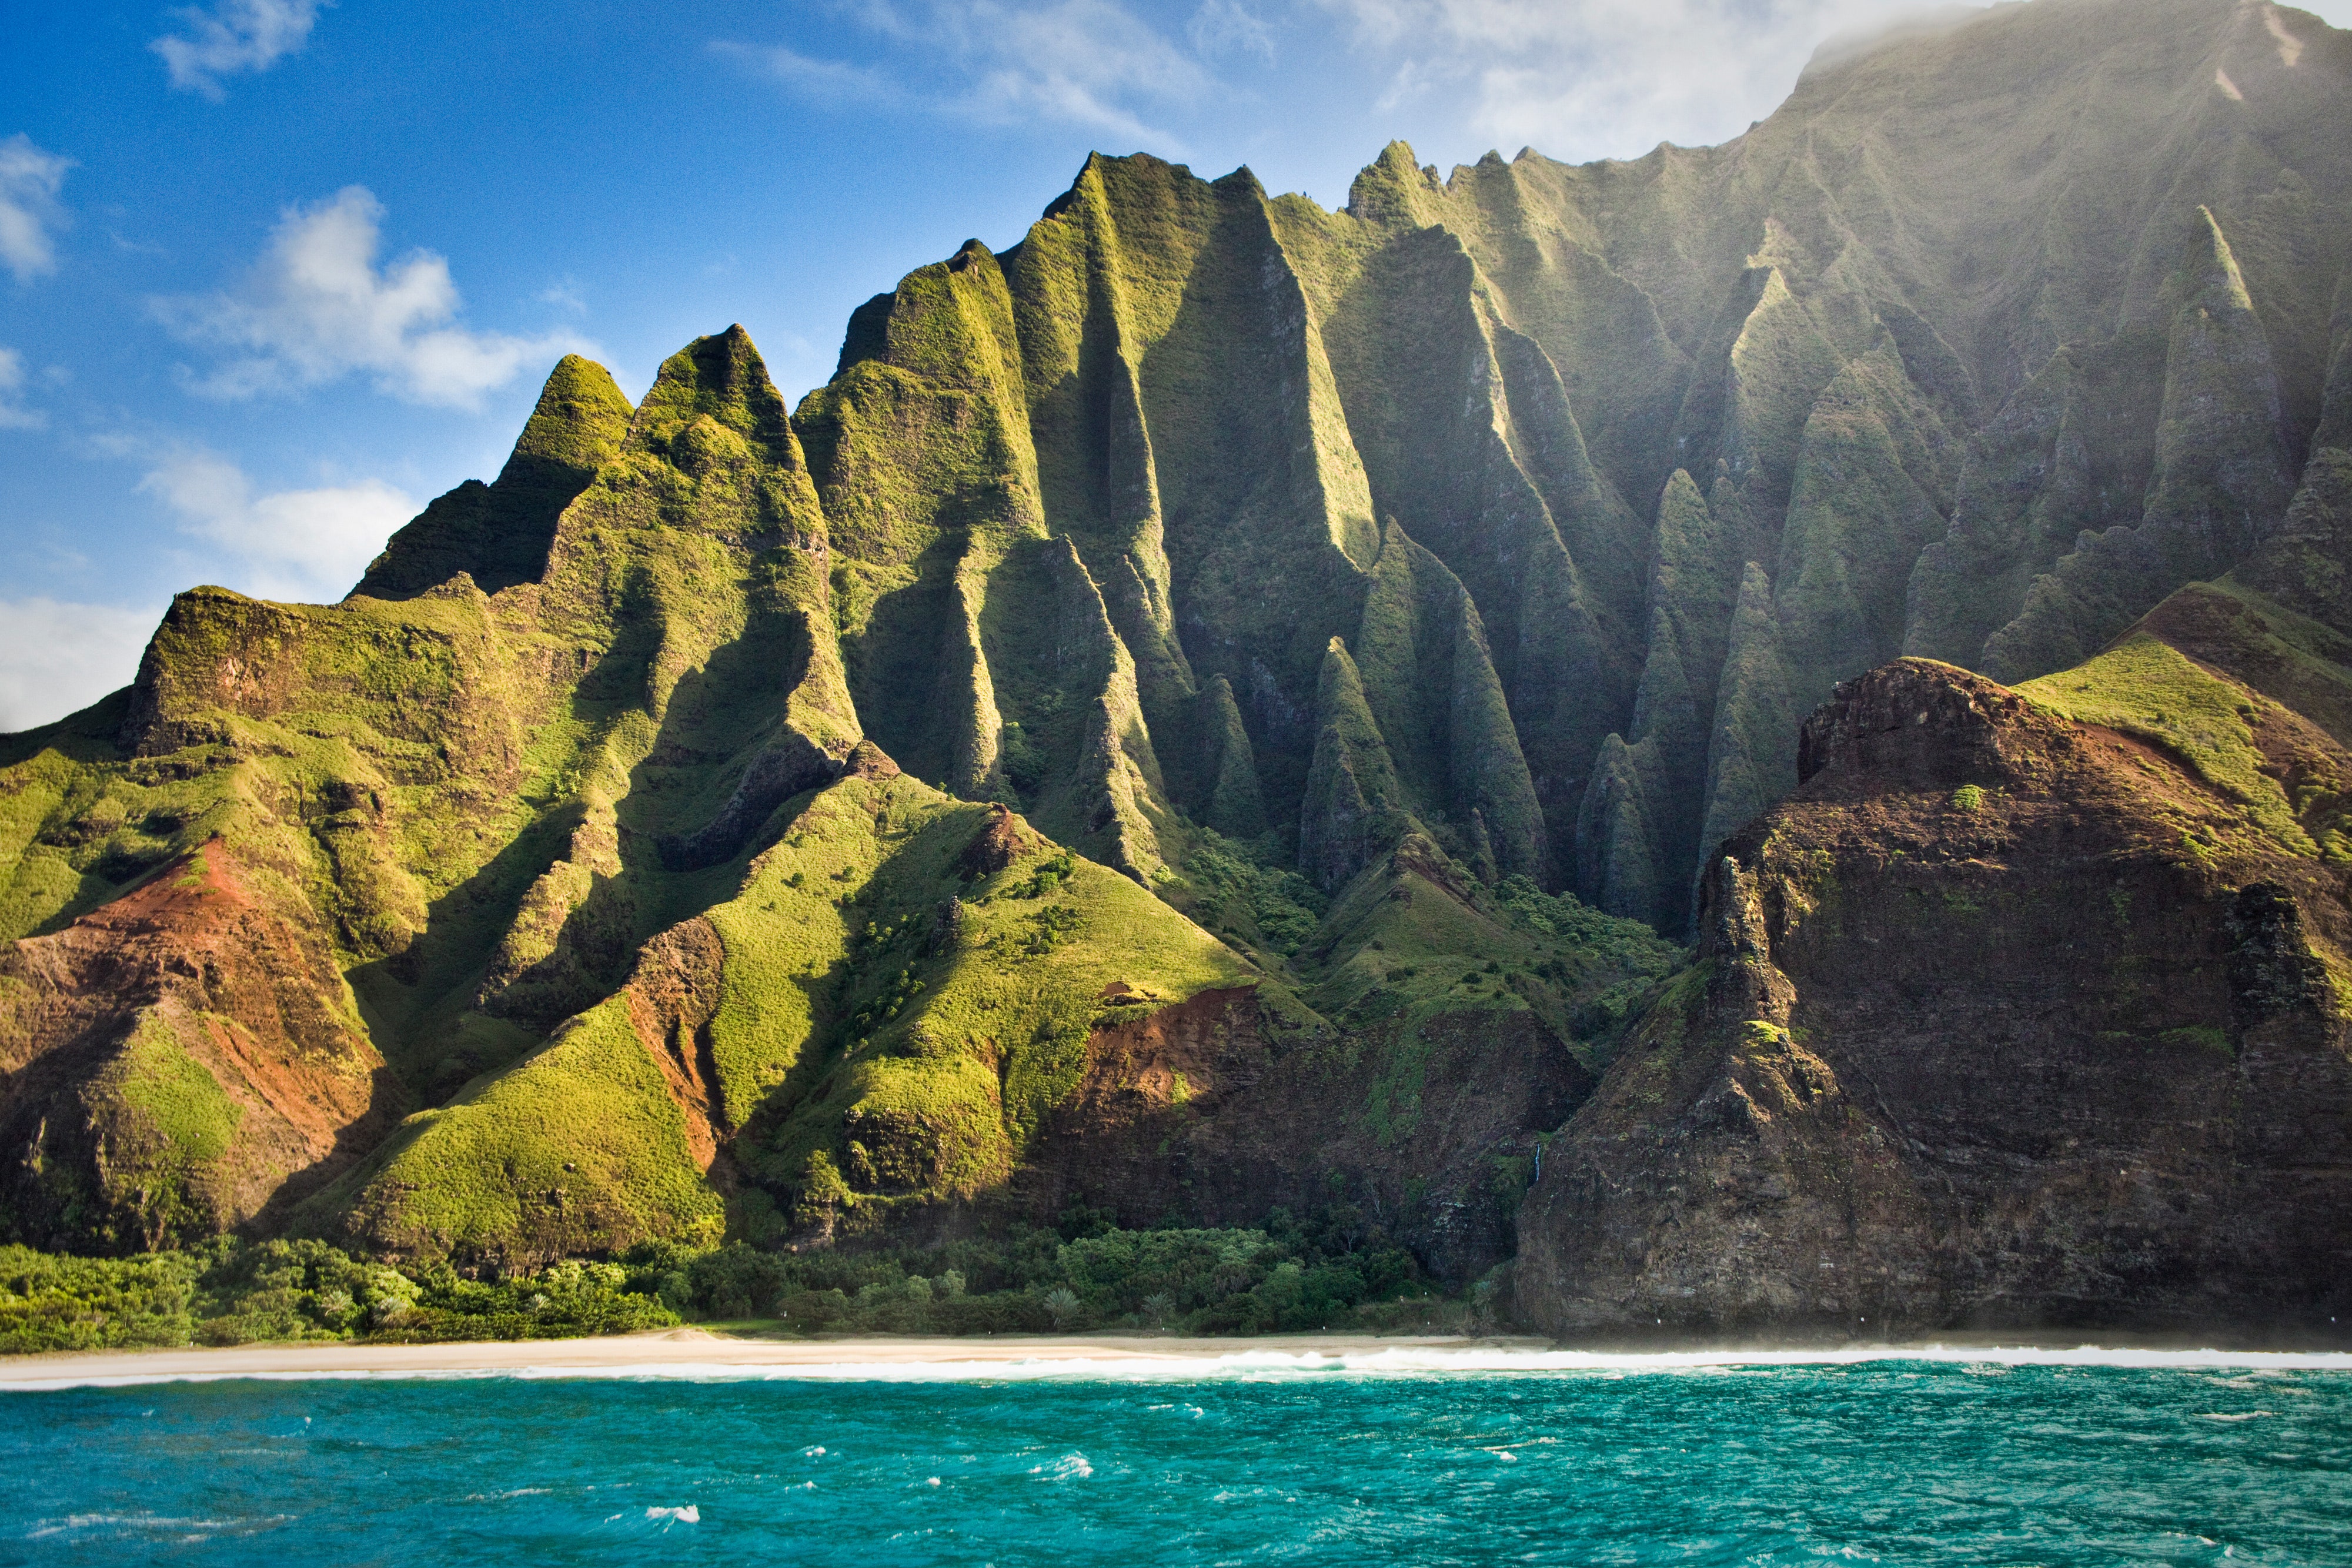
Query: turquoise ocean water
point(1572, 1460)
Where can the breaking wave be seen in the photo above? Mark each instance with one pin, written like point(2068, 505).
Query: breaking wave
point(151, 1526)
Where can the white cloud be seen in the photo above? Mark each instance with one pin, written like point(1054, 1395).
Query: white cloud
point(1229, 28)
point(58, 658)
point(1081, 62)
point(302, 545)
point(13, 415)
point(316, 307)
point(235, 35)
point(1606, 78)
point(30, 178)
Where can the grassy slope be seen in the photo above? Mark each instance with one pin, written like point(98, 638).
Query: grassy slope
point(2239, 744)
point(859, 1030)
point(579, 1143)
point(937, 1035)
point(1414, 937)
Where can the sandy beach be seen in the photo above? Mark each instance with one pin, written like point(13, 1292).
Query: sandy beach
point(693, 1352)
point(681, 1349)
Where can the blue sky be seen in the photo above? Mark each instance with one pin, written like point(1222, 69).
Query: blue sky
point(273, 273)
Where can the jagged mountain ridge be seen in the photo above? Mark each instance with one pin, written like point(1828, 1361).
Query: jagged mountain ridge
point(593, 888)
point(1681, 442)
point(1678, 443)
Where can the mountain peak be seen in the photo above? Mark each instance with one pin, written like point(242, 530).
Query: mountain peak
point(578, 421)
point(499, 533)
point(1391, 188)
point(723, 377)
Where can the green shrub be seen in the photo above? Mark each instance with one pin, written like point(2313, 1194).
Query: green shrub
point(51, 1303)
point(233, 1293)
point(1239, 887)
point(1046, 876)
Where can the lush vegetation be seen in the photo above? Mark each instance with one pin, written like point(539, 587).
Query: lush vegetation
point(876, 1007)
point(234, 1293)
point(1418, 939)
point(1330, 1270)
point(1237, 890)
point(1619, 959)
point(550, 823)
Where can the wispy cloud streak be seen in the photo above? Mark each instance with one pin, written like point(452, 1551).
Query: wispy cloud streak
point(56, 657)
point(298, 545)
point(13, 415)
point(1089, 63)
point(1604, 77)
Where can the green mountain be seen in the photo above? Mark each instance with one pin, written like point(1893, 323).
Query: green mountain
point(1221, 669)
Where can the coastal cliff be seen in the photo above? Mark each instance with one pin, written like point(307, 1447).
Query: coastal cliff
point(2002, 1019)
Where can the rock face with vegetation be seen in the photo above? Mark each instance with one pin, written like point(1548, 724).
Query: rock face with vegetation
point(506, 926)
point(2027, 1006)
point(1602, 475)
point(1226, 707)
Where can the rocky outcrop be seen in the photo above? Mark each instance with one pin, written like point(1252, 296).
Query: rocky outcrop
point(997, 845)
point(1426, 1131)
point(2000, 1020)
point(175, 1061)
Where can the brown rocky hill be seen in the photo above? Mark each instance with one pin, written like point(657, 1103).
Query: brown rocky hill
point(2002, 1019)
point(176, 1062)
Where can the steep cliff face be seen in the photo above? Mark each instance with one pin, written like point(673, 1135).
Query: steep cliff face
point(2004, 1019)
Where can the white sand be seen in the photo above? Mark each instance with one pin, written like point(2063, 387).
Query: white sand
point(687, 1351)
point(698, 1354)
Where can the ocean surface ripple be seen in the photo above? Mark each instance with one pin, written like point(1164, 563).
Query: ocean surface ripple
point(1992, 1458)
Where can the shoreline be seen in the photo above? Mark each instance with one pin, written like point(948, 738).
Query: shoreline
point(698, 1354)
